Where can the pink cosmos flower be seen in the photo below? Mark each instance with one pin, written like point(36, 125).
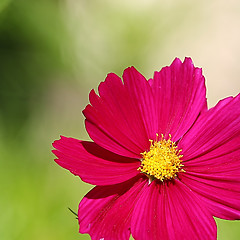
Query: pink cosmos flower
point(164, 164)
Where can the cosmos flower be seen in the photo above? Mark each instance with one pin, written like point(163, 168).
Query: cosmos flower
point(164, 164)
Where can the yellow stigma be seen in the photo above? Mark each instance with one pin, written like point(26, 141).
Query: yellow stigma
point(163, 160)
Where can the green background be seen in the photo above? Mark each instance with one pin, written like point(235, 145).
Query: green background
point(53, 52)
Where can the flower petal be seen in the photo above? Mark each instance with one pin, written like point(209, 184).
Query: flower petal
point(92, 163)
point(180, 96)
point(211, 158)
point(114, 121)
point(216, 132)
point(142, 95)
point(171, 211)
point(221, 194)
point(105, 212)
point(125, 116)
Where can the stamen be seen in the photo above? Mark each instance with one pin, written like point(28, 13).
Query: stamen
point(163, 160)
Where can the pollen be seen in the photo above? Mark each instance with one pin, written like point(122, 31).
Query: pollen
point(163, 160)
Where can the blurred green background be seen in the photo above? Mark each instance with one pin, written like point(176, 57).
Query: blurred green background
point(53, 52)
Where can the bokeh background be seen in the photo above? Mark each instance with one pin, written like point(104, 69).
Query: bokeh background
point(53, 52)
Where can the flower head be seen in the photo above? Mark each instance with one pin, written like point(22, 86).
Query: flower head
point(162, 161)
point(164, 164)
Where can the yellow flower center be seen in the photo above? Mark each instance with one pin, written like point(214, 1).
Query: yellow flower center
point(162, 161)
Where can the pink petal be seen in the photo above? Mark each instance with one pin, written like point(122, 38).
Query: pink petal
point(92, 163)
point(114, 121)
point(142, 96)
point(105, 212)
point(211, 155)
point(171, 211)
point(216, 130)
point(180, 96)
point(220, 194)
point(125, 116)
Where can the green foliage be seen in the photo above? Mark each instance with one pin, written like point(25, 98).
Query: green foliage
point(32, 39)
point(4, 4)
